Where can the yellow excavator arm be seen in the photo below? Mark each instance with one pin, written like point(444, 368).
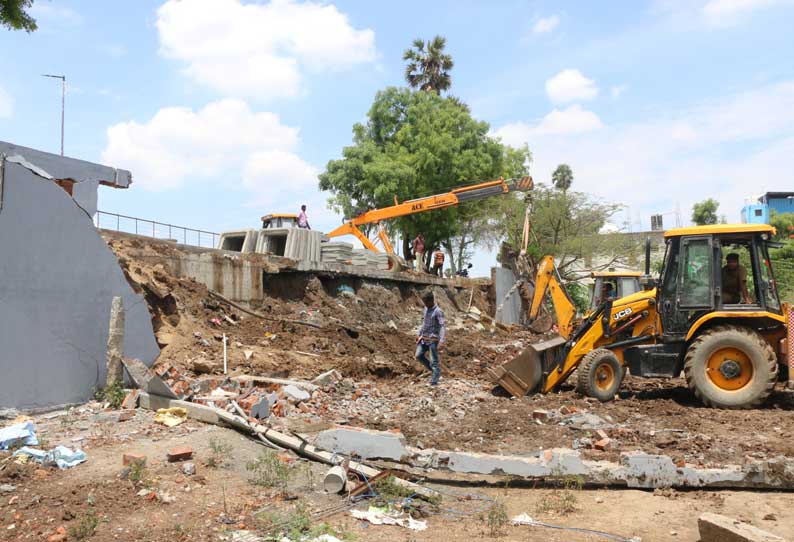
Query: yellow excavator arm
point(439, 201)
point(547, 280)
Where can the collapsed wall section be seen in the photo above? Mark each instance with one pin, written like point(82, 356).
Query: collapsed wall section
point(58, 280)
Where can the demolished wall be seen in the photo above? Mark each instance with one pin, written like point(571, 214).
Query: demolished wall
point(58, 281)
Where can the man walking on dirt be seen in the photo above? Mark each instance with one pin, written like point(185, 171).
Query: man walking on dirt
point(431, 336)
point(419, 252)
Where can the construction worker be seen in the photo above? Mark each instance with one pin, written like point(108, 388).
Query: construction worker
point(438, 262)
point(419, 251)
point(303, 219)
point(431, 336)
point(734, 281)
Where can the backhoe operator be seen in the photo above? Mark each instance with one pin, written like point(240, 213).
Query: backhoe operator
point(734, 281)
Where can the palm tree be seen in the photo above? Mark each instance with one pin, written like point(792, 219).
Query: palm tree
point(562, 177)
point(428, 68)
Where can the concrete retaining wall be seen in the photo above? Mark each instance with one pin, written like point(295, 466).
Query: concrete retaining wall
point(58, 280)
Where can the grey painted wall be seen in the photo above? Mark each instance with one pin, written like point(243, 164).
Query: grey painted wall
point(57, 280)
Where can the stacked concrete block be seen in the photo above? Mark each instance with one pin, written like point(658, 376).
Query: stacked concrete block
point(336, 253)
point(373, 260)
point(272, 241)
point(238, 240)
point(303, 245)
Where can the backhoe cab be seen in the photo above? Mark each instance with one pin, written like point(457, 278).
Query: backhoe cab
point(715, 316)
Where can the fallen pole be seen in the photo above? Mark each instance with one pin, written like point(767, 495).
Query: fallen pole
point(220, 417)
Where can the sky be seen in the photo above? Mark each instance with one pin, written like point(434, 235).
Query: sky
point(225, 110)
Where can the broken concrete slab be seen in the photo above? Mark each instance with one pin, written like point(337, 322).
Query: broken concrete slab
point(59, 278)
point(717, 528)
point(635, 469)
point(365, 443)
point(147, 380)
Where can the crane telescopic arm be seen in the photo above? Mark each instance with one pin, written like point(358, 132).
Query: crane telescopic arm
point(439, 201)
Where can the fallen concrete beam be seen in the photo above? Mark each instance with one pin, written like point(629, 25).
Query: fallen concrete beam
point(248, 379)
point(635, 469)
point(716, 528)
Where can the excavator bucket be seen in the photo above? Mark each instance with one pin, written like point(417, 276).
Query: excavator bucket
point(522, 374)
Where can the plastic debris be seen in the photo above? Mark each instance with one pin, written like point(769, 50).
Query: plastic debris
point(382, 516)
point(21, 433)
point(171, 417)
point(63, 457)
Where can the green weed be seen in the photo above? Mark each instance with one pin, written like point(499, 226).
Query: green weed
point(85, 527)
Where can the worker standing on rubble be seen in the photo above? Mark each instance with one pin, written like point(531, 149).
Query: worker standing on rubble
point(438, 262)
point(419, 251)
point(431, 336)
point(303, 219)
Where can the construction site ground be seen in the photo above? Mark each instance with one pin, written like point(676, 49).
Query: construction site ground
point(366, 331)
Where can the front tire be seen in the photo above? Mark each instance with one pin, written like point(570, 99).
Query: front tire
point(599, 375)
point(731, 367)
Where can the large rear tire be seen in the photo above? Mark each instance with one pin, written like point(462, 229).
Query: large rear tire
point(731, 367)
point(599, 375)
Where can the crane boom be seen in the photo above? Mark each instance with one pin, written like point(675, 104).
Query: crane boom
point(439, 201)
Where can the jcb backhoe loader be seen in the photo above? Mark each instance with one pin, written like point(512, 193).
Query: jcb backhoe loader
point(689, 321)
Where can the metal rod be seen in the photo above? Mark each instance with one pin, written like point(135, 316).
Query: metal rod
point(63, 101)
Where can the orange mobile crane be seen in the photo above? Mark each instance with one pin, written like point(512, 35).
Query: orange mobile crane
point(448, 199)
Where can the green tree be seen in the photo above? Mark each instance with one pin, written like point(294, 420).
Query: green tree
point(562, 177)
point(567, 225)
point(428, 66)
point(705, 212)
point(783, 223)
point(14, 16)
point(417, 144)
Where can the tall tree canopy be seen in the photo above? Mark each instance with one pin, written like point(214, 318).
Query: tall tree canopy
point(417, 144)
point(428, 66)
point(13, 15)
point(705, 212)
point(562, 177)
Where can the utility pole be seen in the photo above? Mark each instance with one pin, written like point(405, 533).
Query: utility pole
point(63, 100)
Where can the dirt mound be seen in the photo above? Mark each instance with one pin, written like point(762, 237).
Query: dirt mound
point(306, 325)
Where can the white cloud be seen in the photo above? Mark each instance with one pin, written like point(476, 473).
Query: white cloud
point(224, 141)
point(6, 104)
point(569, 86)
point(570, 121)
point(617, 91)
point(726, 147)
point(259, 51)
point(545, 25)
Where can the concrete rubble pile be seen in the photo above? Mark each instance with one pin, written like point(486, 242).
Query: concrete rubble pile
point(271, 400)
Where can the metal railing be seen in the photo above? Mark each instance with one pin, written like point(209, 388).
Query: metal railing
point(157, 230)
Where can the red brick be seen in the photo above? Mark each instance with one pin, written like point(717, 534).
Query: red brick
point(540, 415)
point(180, 453)
point(126, 415)
point(602, 444)
point(129, 459)
point(131, 400)
point(602, 434)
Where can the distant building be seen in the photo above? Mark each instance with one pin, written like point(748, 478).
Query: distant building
point(782, 202)
point(759, 212)
point(755, 213)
